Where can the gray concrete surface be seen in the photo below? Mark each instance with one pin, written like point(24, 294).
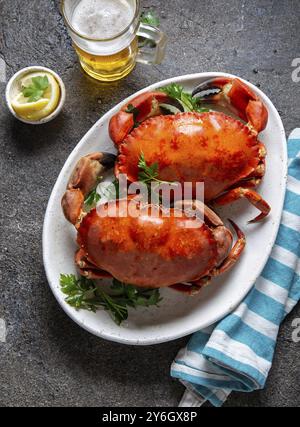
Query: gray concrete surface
point(47, 359)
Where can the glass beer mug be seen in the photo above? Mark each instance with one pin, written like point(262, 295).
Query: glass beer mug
point(105, 36)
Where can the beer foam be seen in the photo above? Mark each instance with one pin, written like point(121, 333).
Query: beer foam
point(102, 19)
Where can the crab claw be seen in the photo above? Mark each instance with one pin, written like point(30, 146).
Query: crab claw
point(237, 95)
point(87, 268)
point(83, 180)
point(137, 110)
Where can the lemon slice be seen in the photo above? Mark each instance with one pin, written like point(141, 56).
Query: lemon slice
point(37, 110)
point(29, 110)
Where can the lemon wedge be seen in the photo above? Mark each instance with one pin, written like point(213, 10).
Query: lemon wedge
point(29, 110)
point(37, 110)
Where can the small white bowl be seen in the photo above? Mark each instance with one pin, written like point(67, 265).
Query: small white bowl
point(11, 88)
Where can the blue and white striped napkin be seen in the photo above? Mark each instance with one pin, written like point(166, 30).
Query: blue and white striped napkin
point(237, 353)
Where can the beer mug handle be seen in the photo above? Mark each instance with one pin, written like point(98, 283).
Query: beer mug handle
point(152, 44)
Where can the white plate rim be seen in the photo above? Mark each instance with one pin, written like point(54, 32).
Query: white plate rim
point(71, 312)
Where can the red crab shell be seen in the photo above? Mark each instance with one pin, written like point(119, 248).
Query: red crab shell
point(209, 147)
point(150, 251)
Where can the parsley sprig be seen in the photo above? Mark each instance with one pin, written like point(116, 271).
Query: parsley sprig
point(36, 89)
point(131, 109)
point(188, 102)
point(133, 296)
point(150, 17)
point(135, 111)
point(83, 293)
point(147, 173)
point(92, 199)
point(109, 192)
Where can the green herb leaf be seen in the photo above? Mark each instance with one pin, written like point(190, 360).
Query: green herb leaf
point(135, 111)
point(134, 296)
point(150, 17)
point(186, 99)
point(36, 89)
point(117, 308)
point(82, 293)
point(147, 173)
point(131, 109)
point(41, 83)
point(92, 199)
point(173, 90)
point(110, 191)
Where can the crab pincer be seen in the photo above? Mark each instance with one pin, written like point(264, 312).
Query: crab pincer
point(82, 181)
point(238, 96)
point(136, 111)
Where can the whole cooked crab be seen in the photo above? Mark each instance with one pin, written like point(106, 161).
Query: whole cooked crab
point(147, 248)
point(210, 147)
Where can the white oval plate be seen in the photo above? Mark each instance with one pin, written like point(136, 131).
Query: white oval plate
point(177, 315)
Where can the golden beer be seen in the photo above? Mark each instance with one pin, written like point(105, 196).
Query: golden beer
point(105, 36)
point(109, 67)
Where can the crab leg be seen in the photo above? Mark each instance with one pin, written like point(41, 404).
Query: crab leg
point(87, 268)
point(199, 209)
point(194, 287)
point(254, 178)
point(190, 289)
point(260, 170)
point(82, 261)
point(95, 274)
point(235, 252)
point(252, 196)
